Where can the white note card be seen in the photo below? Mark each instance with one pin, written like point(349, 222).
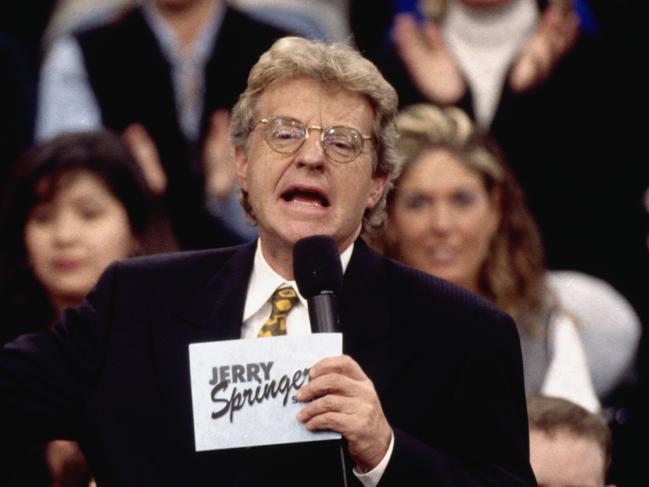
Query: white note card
point(243, 390)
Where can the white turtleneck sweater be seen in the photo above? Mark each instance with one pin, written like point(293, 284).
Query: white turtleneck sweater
point(484, 42)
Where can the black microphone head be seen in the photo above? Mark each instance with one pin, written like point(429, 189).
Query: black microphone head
point(316, 266)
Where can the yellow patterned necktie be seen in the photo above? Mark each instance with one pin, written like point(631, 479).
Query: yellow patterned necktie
point(282, 302)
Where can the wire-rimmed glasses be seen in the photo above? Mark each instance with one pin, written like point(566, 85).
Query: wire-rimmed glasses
point(286, 135)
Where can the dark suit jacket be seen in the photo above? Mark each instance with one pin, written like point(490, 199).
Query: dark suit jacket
point(114, 374)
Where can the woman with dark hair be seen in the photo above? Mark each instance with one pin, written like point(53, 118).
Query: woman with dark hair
point(76, 204)
point(457, 212)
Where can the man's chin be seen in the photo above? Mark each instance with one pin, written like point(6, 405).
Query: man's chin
point(297, 236)
point(292, 231)
point(289, 236)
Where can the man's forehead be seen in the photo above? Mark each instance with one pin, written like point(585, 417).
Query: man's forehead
point(311, 97)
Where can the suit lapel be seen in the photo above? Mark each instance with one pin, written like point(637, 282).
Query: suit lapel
point(214, 313)
point(218, 307)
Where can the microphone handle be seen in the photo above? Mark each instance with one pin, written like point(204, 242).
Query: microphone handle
point(323, 313)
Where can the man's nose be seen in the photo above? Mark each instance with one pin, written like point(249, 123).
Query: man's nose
point(312, 154)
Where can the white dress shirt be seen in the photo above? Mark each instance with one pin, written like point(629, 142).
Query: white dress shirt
point(263, 283)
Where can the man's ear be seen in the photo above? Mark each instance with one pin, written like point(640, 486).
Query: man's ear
point(379, 182)
point(241, 167)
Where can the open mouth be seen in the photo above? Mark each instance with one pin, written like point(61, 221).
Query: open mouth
point(306, 196)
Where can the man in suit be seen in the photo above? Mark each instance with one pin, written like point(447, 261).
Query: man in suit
point(429, 391)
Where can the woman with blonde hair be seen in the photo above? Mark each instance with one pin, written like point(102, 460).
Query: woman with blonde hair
point(546, 87)
point(457, 212)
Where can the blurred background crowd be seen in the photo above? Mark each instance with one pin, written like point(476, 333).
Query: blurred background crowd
point(525, 180)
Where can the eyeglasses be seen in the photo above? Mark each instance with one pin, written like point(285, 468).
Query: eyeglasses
point(286, 135)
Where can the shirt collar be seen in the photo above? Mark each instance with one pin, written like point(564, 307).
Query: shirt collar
point(264, 281)
point(165, 35)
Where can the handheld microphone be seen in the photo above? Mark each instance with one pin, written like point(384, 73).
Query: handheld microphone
point(319, 277)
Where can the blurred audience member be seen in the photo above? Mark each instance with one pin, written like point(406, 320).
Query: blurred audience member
point(457, 212)
point(71, 15)
point(164, 74)
point(483, 47)
point(325, 20)
point(557, 98)
point(76, 204)
point(569, 446)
